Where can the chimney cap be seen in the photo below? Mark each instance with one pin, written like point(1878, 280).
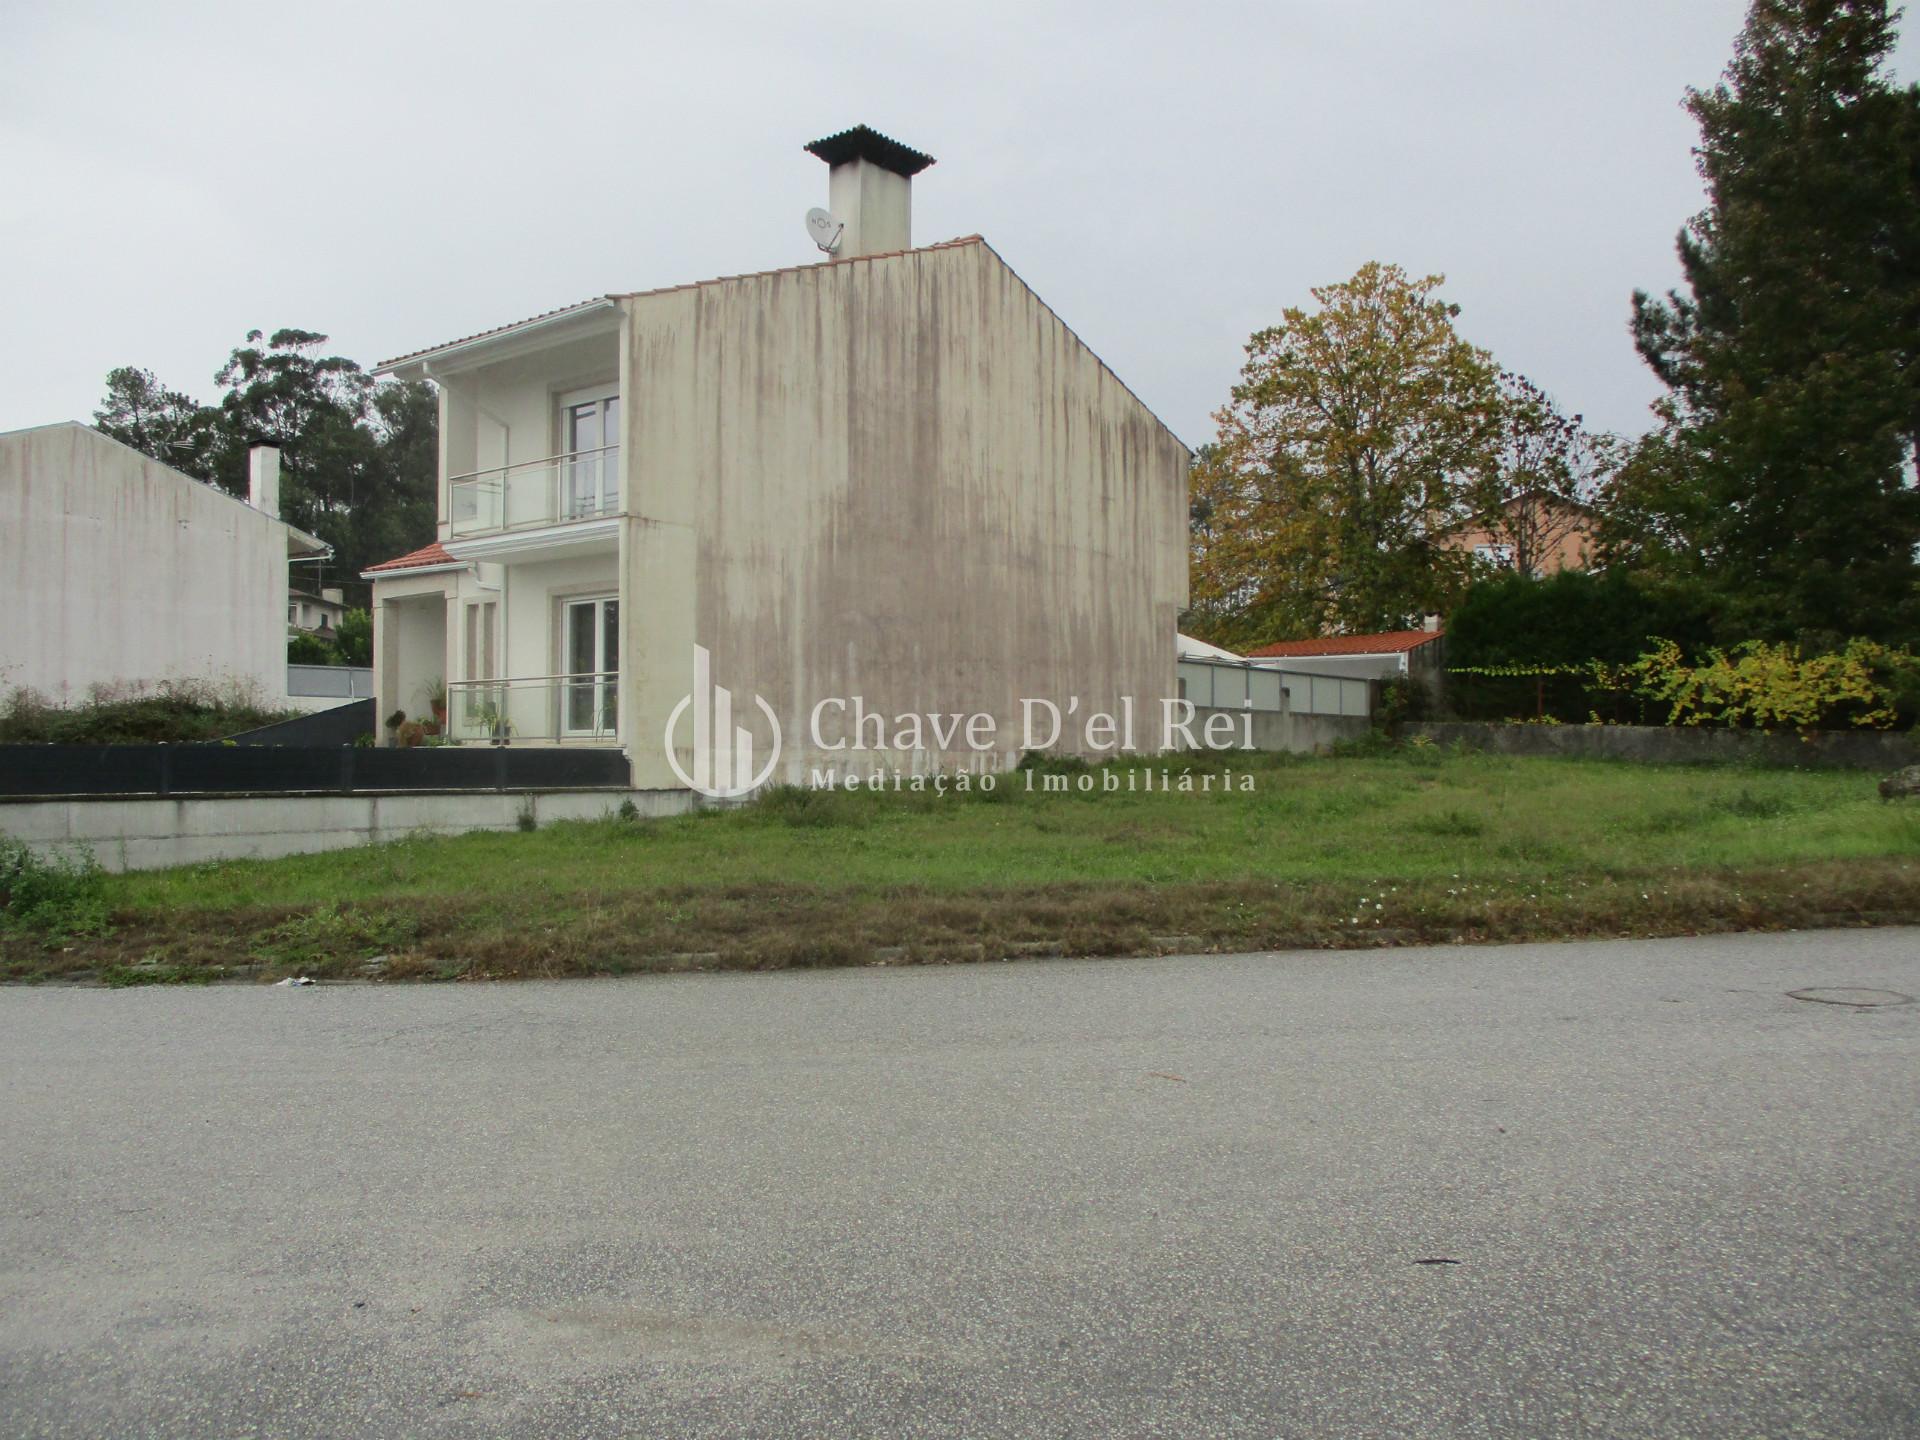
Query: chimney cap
point(860, 143)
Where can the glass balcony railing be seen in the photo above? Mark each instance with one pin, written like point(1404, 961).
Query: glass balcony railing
point(582, 485)
point(540, 708)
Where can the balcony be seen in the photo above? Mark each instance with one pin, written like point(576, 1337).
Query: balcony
point(542, 708)
point(564, 502)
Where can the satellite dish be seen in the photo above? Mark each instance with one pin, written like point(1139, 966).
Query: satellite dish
point(824, 229)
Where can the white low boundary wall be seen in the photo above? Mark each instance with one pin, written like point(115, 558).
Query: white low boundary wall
point(148, 833)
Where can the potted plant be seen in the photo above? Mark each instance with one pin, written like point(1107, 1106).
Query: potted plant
point(487, 718)
point(437, 701)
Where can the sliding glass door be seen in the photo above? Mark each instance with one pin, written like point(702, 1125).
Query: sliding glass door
point(590, 635)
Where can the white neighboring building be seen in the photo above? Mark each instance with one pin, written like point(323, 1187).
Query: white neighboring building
point(119, 572)
point(316, 614)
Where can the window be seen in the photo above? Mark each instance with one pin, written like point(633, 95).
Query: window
point(590, 439)
point(480, 630)
point(590, 635)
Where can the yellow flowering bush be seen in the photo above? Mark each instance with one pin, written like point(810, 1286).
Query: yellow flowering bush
point(1773, 686)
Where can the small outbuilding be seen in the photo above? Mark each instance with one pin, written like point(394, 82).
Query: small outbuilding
point(1418, 656)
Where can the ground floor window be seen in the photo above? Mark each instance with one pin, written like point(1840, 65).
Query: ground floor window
point(590, 633)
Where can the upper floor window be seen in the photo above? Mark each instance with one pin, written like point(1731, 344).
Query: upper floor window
point(590, 440)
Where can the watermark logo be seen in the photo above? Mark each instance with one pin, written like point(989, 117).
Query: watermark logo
point(723, 750)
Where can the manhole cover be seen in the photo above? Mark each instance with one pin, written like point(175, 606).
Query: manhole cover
point(1854, 995)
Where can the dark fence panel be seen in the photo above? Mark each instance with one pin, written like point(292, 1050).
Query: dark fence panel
point(560, 768)
point(217, 769)
point(434, 767)
point(339, 726)
point(83, 769)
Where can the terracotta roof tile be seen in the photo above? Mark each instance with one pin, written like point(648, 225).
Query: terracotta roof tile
point(434, 554)
point(1387, 642)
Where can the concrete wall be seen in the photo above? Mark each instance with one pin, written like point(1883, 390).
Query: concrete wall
point(1662, 745)
point(901, 478)
point(117, 571)
point(1283, 730)
point(151, 834)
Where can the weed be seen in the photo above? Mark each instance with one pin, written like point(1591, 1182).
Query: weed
point(1749, 806)
point(1453, 823)
point(1046, 762)
point(330, 936)
point(121, 977)
point(1371, 745)
point(59, 896)
point(809, 809)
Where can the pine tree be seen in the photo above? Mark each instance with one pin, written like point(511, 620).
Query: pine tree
point(1785, 472)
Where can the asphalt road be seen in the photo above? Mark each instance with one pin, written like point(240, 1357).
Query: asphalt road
point(1176, 1198)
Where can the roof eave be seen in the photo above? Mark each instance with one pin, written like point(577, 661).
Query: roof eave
point(505, 343)
point(445, 567)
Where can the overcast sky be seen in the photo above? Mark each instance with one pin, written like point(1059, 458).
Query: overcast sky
point(1167, 177)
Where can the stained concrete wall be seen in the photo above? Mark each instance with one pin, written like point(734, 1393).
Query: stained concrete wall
point(1282, 730)
point(1663, 745)
point(901, 478)
point(151, 834)
point(118, 571)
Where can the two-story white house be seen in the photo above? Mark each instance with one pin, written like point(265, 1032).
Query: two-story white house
point(893, 474)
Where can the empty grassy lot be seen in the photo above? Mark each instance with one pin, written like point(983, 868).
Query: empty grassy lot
point(1412, 845)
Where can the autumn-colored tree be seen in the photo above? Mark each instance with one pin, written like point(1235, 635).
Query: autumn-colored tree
point(1346, 458)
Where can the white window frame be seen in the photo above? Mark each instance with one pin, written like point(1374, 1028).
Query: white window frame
point(607, 500)
point(605, 685)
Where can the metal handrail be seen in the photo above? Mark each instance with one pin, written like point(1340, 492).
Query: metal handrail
point(536, 679)
point(525, 464)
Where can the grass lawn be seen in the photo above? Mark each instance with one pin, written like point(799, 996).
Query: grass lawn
point(1412, 845)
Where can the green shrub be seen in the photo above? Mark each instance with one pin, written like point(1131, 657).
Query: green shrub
point(355, 638)
point(174, 713)
point(1571, 618)
point(1777, 687)
point(1403, 701)
point(305, 649)
point(56, 895)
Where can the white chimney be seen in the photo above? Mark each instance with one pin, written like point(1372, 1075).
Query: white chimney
point(263, 479)
point(870, 190)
